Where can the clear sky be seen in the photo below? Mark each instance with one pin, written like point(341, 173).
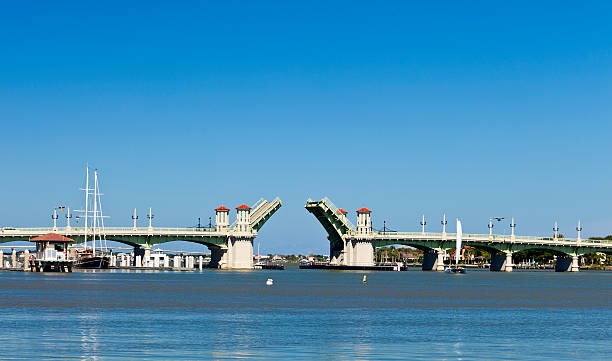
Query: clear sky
point(472, 108)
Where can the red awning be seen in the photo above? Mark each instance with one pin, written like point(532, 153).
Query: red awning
point(51, 237)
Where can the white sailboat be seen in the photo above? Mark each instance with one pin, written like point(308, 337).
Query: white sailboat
point(94, 257)
point(457, 269)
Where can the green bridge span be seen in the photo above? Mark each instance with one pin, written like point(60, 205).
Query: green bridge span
point(355, 245)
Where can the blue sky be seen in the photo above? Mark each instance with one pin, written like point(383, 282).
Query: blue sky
point(475, 109)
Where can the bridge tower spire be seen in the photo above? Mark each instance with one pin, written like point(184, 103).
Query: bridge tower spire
point(512, 226)
point(579, 229)
point(556, 229)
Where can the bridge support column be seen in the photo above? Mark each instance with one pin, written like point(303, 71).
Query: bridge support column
point(240, 253)
point(146, 258)
point(26, 260)
point(567, 264)
point(362, 253)
point(501, 262)
point(336, 254)
point(14, 259)
point(139, 260)
point(218, 258)
point(433, 260)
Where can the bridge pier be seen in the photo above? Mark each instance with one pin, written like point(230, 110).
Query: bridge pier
point(240, 252)
point(501, 262)
point(139, 253)
point(336, 254)
point(433, 260)
point(567, 264)
point(218, 258)
point(363, 253)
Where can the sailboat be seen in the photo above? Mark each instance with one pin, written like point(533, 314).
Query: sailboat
point(457, 269)
point(93, 258)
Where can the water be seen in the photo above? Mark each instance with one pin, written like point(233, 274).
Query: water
point(306, 314)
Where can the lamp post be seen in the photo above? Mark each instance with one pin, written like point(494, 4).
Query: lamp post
point(134, 218)
point(444, 225)
point(512, 226)
point(556, 230)
point(68, 216)
point(423, 223)
point(54, 218)
point(150, 216)
point(579, 229)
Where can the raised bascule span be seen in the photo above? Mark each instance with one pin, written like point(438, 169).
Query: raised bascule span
point(354, 245)
point(231, 246)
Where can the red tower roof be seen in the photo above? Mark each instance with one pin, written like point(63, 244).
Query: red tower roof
point(340, 210)
point(51, 237)
point(221, 209)
point(364, 210)
point(244, 206)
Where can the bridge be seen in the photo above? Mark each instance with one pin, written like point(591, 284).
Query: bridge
point(231, 246)
point(354, 245)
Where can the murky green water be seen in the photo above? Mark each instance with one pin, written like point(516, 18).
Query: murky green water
point(306, 314)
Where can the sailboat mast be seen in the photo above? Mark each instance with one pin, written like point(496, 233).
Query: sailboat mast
point(86, 202)
point(458, 246)
point(95, 211)
point(101, 221)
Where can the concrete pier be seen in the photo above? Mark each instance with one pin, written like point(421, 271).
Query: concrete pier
point(567, 264)
point(433, 260)
point(501, 262)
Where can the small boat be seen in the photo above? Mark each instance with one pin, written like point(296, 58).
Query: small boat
point(456, 269)
point(269, 282)
point(88, 260)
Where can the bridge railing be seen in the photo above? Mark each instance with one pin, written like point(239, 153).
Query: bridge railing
point(263, 210)
point(334, 209)
point(483, 237)
point(258, 204)
point(107, 230)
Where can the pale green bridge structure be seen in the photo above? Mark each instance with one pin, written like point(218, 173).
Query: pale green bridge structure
point(231, 245)
point(355, 245)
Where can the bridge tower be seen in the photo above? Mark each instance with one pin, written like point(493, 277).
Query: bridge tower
point(364, 221)
point(240, 243)
point(222, 218)
point(360, 249)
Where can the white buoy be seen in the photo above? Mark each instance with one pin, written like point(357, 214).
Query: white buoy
point(269, 282)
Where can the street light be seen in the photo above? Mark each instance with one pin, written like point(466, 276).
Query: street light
point(423, 223)
point(444, 222)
